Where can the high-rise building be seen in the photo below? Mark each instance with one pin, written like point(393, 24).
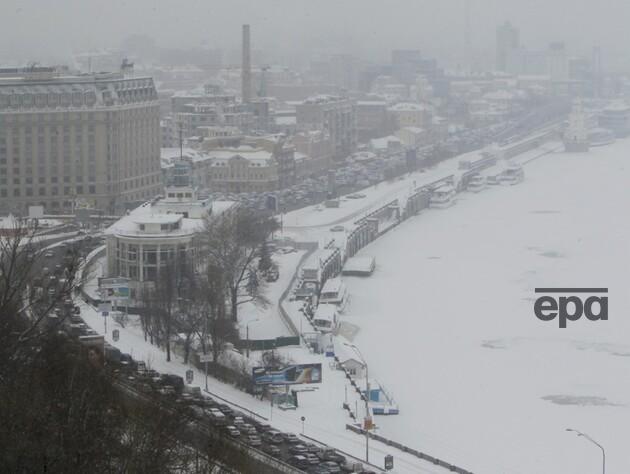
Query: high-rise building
point(89, 140)
point(507, 42)
point(335, 115)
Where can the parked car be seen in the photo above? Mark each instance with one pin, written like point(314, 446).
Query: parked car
point(272, 450)
point(253, 440)
point(313, 448)
point(317, 470)
point(297, 449)
point(331, 466)
point(238, 421)
point(248, 429)
point(232, 431)
point(226, 410)
point(337, 228)
point(332, 455)
point(298, 461)
point(274, 437)
point(311, 458)
point(291, 438)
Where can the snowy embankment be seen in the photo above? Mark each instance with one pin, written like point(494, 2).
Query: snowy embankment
point(447, 322)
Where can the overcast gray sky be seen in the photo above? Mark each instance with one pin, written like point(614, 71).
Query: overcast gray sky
point(33, 29)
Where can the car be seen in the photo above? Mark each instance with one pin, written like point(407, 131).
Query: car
point(313, 448)
point(232, 431)
point(298, 461)
point(317, 470)
point(331, 466)
point(226, 410)
point(238, 421)
point(49, 254)
point(248, 429)
point(311, 458)
point(332, 455)
point(272, 450)
point(274, 437)
point(337, 228)
point(297, 449)
point(291, 438)
point(253, 440)
point(262, 427)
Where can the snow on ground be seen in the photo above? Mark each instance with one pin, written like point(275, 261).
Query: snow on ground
point(264, 321)
point(322, 408)
point(447, 323)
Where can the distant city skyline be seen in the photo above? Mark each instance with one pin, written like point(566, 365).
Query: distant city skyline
point(39, 30)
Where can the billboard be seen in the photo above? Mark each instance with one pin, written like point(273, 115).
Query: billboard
point(291, 375)
point(114, 288)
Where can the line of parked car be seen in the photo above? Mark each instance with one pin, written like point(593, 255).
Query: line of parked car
point(308, 457)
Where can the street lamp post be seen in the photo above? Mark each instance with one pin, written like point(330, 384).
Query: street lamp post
point(367, 421)
point(584, 435)
point(247, 334)
point(205, 345)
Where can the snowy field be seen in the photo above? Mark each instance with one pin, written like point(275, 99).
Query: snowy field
point(447, 322)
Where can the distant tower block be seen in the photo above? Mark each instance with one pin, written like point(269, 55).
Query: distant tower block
point(246, 68)
point(576, 135)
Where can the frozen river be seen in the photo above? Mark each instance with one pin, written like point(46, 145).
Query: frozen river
point(447, 321)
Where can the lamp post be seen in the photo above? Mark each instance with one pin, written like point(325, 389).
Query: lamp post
point(247, 334)
point(367, 421)
point(584, 435)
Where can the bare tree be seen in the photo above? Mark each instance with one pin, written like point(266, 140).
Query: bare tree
point(164, 300)
point(233, 244)
point(28, 295)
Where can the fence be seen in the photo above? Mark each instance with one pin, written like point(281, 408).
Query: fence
point(311, 247)
point(413, 452)
point(268, 344)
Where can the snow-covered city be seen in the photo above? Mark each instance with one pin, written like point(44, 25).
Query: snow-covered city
point(247, 257)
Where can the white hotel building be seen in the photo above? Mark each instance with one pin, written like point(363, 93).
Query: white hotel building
point(140, 243)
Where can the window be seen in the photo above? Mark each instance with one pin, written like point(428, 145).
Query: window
point(92, 189)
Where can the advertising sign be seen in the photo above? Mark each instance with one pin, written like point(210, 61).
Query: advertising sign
point(291, 375)
point(114, 288)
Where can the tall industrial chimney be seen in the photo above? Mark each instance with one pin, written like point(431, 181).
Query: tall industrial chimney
point(246, 68)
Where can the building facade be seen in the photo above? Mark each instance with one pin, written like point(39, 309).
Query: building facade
point(91, 140)
point(141, 243)
point(335, 115)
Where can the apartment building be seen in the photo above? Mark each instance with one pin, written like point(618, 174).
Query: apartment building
point(335, 115)
point(68, 140)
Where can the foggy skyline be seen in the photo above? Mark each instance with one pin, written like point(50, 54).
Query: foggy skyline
point(39, 30)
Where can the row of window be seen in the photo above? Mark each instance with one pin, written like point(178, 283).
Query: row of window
point(54, 191)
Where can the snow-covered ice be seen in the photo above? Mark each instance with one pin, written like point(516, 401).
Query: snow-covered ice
point(447, 322)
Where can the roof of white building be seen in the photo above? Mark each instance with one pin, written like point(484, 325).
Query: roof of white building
point(161, 211)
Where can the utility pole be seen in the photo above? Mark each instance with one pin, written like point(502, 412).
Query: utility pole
point(367, 422)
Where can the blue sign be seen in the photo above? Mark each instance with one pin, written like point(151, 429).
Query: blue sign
point(291, 375)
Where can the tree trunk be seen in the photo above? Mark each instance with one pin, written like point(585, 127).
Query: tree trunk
point(234, 303)
point(168, 337)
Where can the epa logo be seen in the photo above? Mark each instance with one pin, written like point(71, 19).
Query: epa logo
point(571, 307)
